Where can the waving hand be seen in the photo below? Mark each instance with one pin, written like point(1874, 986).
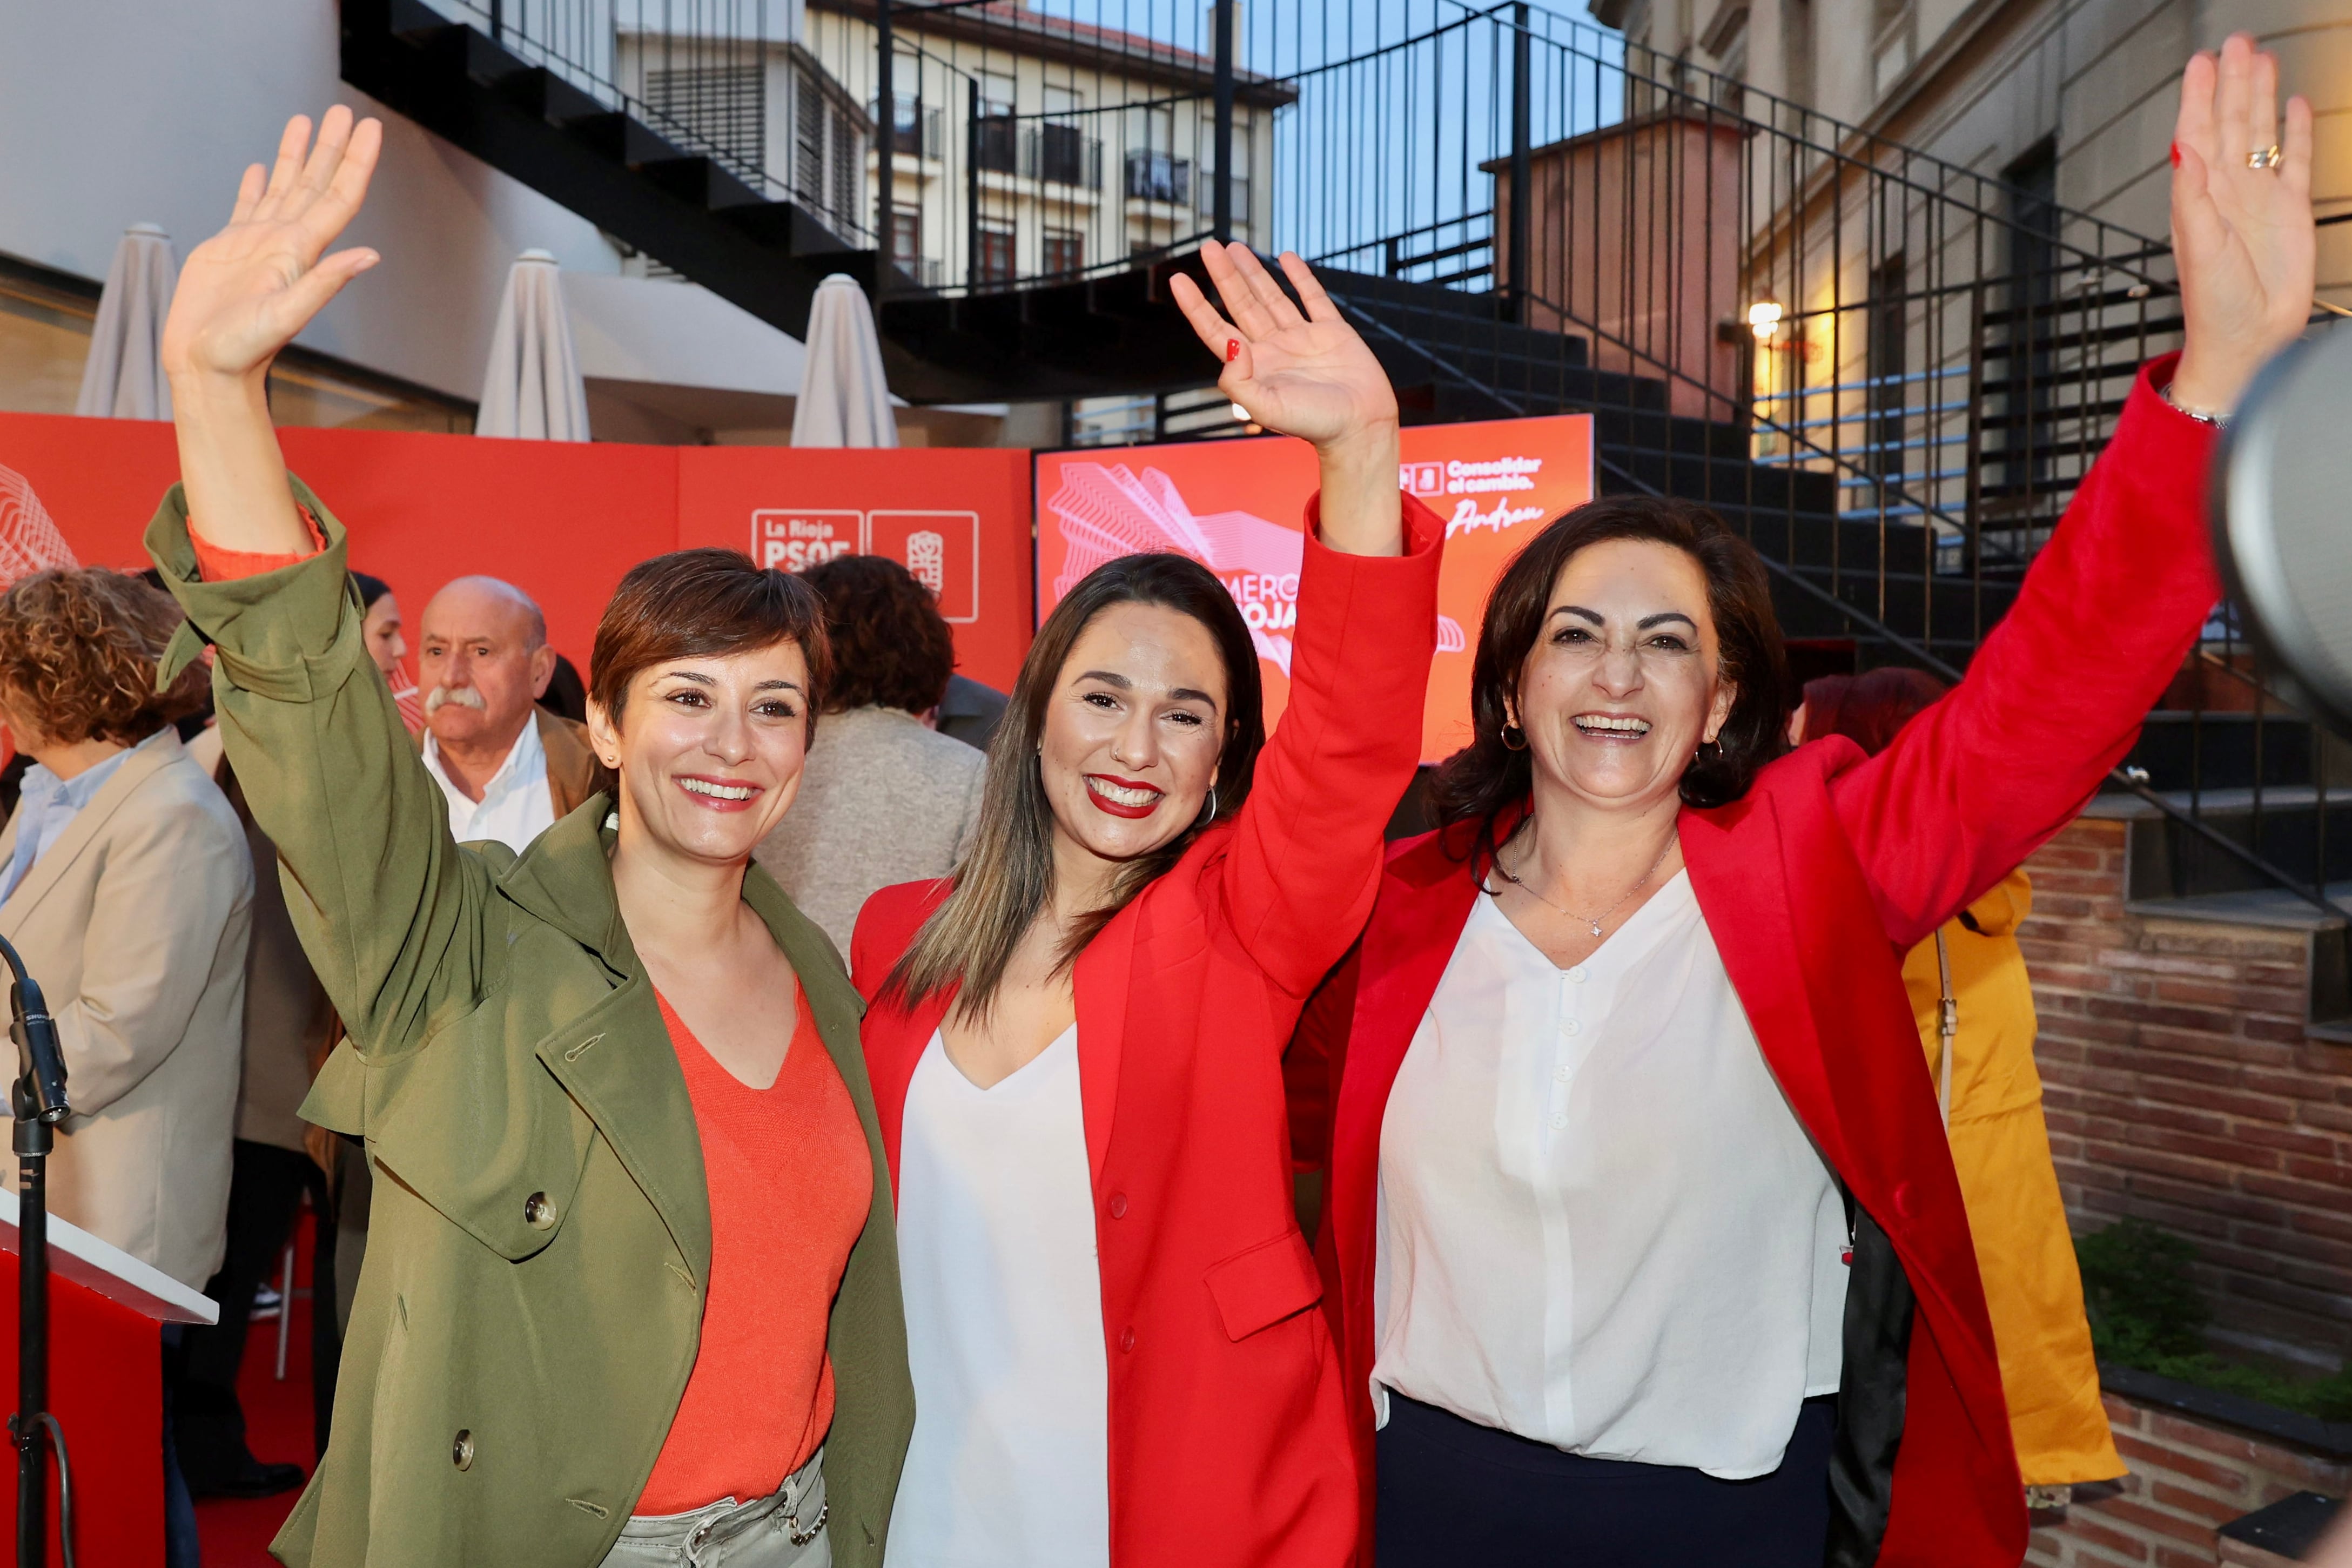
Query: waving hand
point(1306, 373)
point(243, 295)
point(2242, 229)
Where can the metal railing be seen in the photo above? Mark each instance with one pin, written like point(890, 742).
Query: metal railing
point(1890, 371)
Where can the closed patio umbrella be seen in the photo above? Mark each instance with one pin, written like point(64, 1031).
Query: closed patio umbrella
point(845, 400)
point(124, 377)
point(532, 388)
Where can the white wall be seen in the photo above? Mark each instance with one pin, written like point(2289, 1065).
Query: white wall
point(119, 111)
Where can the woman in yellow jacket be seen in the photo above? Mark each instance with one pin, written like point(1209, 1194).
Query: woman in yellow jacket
point(1992, 1096)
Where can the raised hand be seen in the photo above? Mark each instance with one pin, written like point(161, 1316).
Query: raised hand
point(2241, 235)
point(243, 295)
point(247, 291)
point(1306, 374)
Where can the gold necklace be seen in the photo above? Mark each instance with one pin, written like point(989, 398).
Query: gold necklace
point(1593, 921)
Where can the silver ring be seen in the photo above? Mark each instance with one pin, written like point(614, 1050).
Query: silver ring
point(2266, 157)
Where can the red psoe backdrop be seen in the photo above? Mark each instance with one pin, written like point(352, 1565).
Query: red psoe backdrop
point(958, 518)
point(563, 520)
point(1239, 508)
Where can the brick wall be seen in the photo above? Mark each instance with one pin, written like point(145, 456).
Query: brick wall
point(2188, 1478)
point(2181, 1087)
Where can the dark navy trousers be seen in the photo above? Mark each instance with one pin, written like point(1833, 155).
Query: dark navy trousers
point(1453, 1492)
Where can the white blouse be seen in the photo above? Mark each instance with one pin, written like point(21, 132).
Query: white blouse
point(1601, 1225)
point(1009, 1463)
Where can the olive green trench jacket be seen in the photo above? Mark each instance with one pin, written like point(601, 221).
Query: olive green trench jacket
point(540, 1237)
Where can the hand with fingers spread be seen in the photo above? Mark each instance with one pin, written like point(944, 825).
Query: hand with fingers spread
point(242, 296)
point(2242, 229)
point(244, 292)
point(1306, 373)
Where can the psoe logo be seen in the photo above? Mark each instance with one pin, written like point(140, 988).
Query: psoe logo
point(794, 539)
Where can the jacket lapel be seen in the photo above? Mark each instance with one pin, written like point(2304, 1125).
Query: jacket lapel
point(1424, 901)
point(894, 1047)
point(143, 764)
point(1101, 984)
point(614, 1058)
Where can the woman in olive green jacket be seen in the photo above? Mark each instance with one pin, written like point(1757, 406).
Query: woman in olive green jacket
point(541, 1237)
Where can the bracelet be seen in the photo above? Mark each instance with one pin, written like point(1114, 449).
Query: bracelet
point(2200, 415)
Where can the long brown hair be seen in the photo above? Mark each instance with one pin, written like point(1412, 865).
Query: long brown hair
point(1007, 876)
point(1486, 779)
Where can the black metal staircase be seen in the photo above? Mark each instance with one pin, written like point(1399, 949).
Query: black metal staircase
point(1889, 373)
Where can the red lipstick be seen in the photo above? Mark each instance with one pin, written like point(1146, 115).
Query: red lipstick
point(1095, 781)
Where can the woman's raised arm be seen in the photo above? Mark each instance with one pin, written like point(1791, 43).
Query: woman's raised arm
point(2056, 695)
point(387, 906)
point(1305, 855)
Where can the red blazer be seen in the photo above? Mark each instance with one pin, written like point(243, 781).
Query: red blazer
point(1228, 1432)
point(1813, 887)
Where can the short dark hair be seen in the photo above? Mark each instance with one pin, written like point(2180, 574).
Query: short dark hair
point(699, 604)
point(1485, 778)
point(78, 650)
point(891, 646)
point(1869, 709)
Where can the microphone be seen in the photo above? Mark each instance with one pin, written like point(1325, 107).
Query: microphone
point(40, 1095)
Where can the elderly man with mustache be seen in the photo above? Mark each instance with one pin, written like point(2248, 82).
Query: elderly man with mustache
point(509, 767)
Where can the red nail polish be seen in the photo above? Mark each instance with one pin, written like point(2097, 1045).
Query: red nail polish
point(2176, 155)
point(1234, 348)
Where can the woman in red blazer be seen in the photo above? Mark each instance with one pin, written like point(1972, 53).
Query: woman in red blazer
point(1075, 1041)
point(1656, 1253)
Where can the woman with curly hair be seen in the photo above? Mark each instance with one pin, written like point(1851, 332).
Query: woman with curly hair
point(127, 884)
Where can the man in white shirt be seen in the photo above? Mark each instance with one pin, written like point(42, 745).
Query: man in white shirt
point(508, 768)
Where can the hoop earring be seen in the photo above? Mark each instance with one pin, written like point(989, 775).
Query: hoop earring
point(1508, 743)
point(1209, 812)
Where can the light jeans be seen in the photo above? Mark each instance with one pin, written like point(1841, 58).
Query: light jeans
point(783, 1531)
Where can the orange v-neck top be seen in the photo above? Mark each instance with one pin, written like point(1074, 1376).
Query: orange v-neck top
point(790, 1180)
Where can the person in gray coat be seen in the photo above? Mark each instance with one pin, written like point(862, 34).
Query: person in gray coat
point(885, 799)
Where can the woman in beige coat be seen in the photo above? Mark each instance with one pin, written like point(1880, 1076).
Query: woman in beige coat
point(126, 884)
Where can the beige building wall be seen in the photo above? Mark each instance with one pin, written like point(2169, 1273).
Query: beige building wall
point(1984, 83)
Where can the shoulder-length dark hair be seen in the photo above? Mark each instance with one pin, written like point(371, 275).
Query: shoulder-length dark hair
point(1486, 779)
point(1007, 875)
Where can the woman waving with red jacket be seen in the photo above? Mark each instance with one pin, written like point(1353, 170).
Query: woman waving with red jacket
point(1641, 1232)
point(1075, 1041)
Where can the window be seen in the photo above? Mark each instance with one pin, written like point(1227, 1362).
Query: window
point(1889, 358)
point(828, 150)
point(1064, 251)
point(1797, 49)
point(994, 262)
point(46, 318)
point(906, 237)
point(1155, 176)
point(1064, 155)
point(1241, 166)
point(995, 93)
point(722, 109)
point(2024, 371)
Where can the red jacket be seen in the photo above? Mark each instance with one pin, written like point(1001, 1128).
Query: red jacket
point(1228, 1432)
point(1813, 887)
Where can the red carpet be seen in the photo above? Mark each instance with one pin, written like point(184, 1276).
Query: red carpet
point(236, 1532)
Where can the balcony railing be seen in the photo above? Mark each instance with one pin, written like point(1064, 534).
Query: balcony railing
point(1061, 155)
point(1159, 177)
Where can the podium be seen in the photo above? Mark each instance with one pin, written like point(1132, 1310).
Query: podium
point(106, 1386)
